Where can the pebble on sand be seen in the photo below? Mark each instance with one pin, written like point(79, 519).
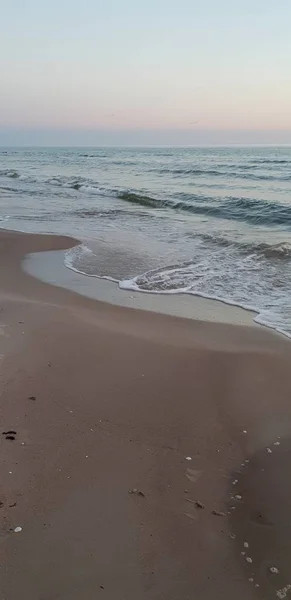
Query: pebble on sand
point(17, 529)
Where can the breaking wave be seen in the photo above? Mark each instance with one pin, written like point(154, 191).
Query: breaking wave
point(260, 212)
point(216, 280)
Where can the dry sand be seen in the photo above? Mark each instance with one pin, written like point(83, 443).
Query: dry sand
point(105, 400)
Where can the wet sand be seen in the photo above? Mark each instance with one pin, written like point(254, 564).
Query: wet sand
point(108, 404)
point(50, 268)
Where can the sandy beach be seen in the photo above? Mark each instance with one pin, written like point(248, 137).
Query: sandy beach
point(151, 453)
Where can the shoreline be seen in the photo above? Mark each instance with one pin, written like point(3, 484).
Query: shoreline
point(105, 289)
point(189, 306)
point(111, 299)
point(102, 289)
point(49, 267)
point(125, 420)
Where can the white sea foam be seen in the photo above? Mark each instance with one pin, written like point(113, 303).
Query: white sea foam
point(263, 317)
point(91, 189)
point(152, 282)
point(78, 252)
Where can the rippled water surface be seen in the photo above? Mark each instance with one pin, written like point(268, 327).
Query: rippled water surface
point(208, 221)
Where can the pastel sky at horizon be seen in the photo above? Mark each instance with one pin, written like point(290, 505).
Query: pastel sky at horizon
point(182, 70)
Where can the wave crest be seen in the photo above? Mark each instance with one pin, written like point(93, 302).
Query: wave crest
point(139, 199)
point(281, 250)
point(252, 211)
point(238, 174)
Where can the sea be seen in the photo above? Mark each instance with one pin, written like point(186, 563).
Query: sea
point(212, 222)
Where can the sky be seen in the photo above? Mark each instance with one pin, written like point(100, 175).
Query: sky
point(145, 71)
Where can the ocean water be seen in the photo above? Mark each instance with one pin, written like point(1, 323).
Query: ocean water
point(214, 222)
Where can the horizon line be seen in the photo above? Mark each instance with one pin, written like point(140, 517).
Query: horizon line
point(228, 145)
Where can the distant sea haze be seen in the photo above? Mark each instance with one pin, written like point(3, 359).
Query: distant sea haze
point(209, 221)
point(192, 134)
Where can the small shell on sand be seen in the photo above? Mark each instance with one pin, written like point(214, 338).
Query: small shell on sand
point(219, 513)
point(249, 559)
point(136, 491)
point(284, 591)
point(235, 481)
point(188, 458)
point(17, 529)
point(274, 570)
point(238, 497)
point(246, 544)
point(269, 450)
point(276, 443)
point(199, 504)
